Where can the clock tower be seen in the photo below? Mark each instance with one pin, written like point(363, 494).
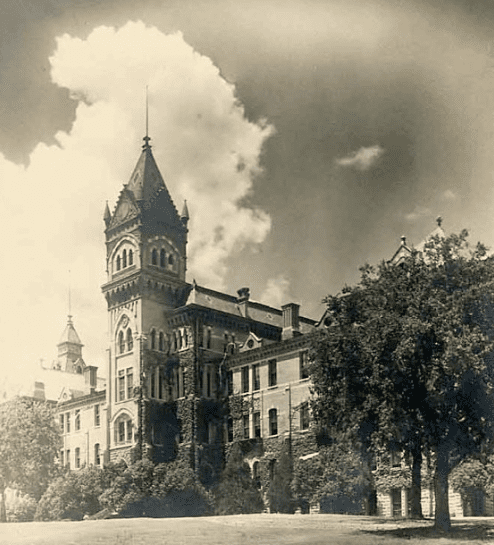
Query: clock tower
point(146, 263)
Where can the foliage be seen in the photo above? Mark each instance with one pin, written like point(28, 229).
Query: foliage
point(22, 509)
point(166, 490)
point(29, 446)
point(75, 494)
point(280, 491)
point(402, 363)
point(236, 492)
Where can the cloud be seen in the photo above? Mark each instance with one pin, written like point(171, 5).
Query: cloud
point(418, 213)
point(276, 292)
point(363, 159)
point(207, 150)
point(449, 195)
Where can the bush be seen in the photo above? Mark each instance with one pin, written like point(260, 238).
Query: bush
point(22, 509)
point(236, 492)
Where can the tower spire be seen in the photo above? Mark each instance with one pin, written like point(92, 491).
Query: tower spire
point(70, 300)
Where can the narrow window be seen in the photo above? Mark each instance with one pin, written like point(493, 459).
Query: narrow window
point(62, 424)
point(186, 338)
point(62, 458)
point(161, 341)
point(170, 260)
point(161, 384)
point(121, 431)
point(77, 458)
point(118, 262)
point(130, 383)
point(130, 340)
point(97, 459)
point(272, 373)
point(97, 417)
point(229, 426)
point(245, 379)
point(304, 416)
point(77, 420)
point(68, 422)
point(273, 422)
point(162, 258)
point(201, 382)
point(304, 369)
point(153, 383)
point(129, 430)
point(256, 378)
point(208, 338)
point(67, 457)
point(245, 424)
point(131, 257)
point(208, 383)
point(121, 343)
point(153, 339)
point(232, 345)
point(257, 424)
point(124, 259)
point(121, 386)
point(154, 257)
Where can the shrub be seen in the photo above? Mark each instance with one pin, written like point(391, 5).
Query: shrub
point(22, 509)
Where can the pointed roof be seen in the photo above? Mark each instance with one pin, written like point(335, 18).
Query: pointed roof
point(70, 334)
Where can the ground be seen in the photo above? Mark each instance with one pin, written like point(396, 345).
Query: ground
point(245, 530)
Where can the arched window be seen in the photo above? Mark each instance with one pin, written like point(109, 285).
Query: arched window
point(131, 257)
point(130, 340)
point(118, 262)
point(121, 343)
point(170, 259)
point(161, 341)
point(154, 257)
point(153, 339)
point(123, 430)
point(124, 259)
point(162, 258)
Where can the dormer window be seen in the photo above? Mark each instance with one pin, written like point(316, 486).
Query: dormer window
point(161, 341)
point(124, 259)
point(118, 263)
point(154, 257)
point(170, 259)
point(131, 257)
point(162, 258)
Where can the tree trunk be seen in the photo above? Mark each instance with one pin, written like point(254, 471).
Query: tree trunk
point(3, 510)
point(442, 520)
point(416, 490)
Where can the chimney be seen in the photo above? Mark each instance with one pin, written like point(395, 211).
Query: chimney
point(291, 323)
point(39, 391)
point(90, 377)
point(243, 301)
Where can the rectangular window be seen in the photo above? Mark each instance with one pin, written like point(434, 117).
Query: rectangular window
point(245, 424)
point(272, 378)
point(304, 365)
point(97, 458)
point(121, 386)
point(273, 422)
point(245, 379)
point(257, 424)
point(161, 384)
point(304, 416)
point(121, 431)
point(77, 422)
point(97, 416)
point(152, 386)
point(67, 420)
point(77, 458)
point(129, 430)
point(130, 384)
point(256, 378)
point(67, 458)
point(62, 424)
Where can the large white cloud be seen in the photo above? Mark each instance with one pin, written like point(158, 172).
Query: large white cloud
point(207, 150)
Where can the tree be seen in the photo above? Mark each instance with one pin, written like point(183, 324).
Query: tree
point(403, 362)
point(280, 492)
point(236, 492)
point(28, 450)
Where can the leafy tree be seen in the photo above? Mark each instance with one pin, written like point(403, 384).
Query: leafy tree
point(280, 491)
point(403, 362)
point(74, 495)
point(236, 492)
point(28, 449)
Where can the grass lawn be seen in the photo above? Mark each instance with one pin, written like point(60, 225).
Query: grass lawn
point(245, 530)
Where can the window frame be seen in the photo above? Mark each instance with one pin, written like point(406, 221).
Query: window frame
point(272, 373)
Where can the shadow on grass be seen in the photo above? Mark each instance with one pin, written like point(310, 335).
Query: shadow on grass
point(468, 531)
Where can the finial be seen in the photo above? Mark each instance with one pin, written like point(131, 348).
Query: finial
point(70, 303)
point(107, 214)
point(147, 138)
point(185, 213)
point(439, 220)
point(403, 240)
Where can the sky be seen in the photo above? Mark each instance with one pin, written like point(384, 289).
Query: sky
point(306, 136)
